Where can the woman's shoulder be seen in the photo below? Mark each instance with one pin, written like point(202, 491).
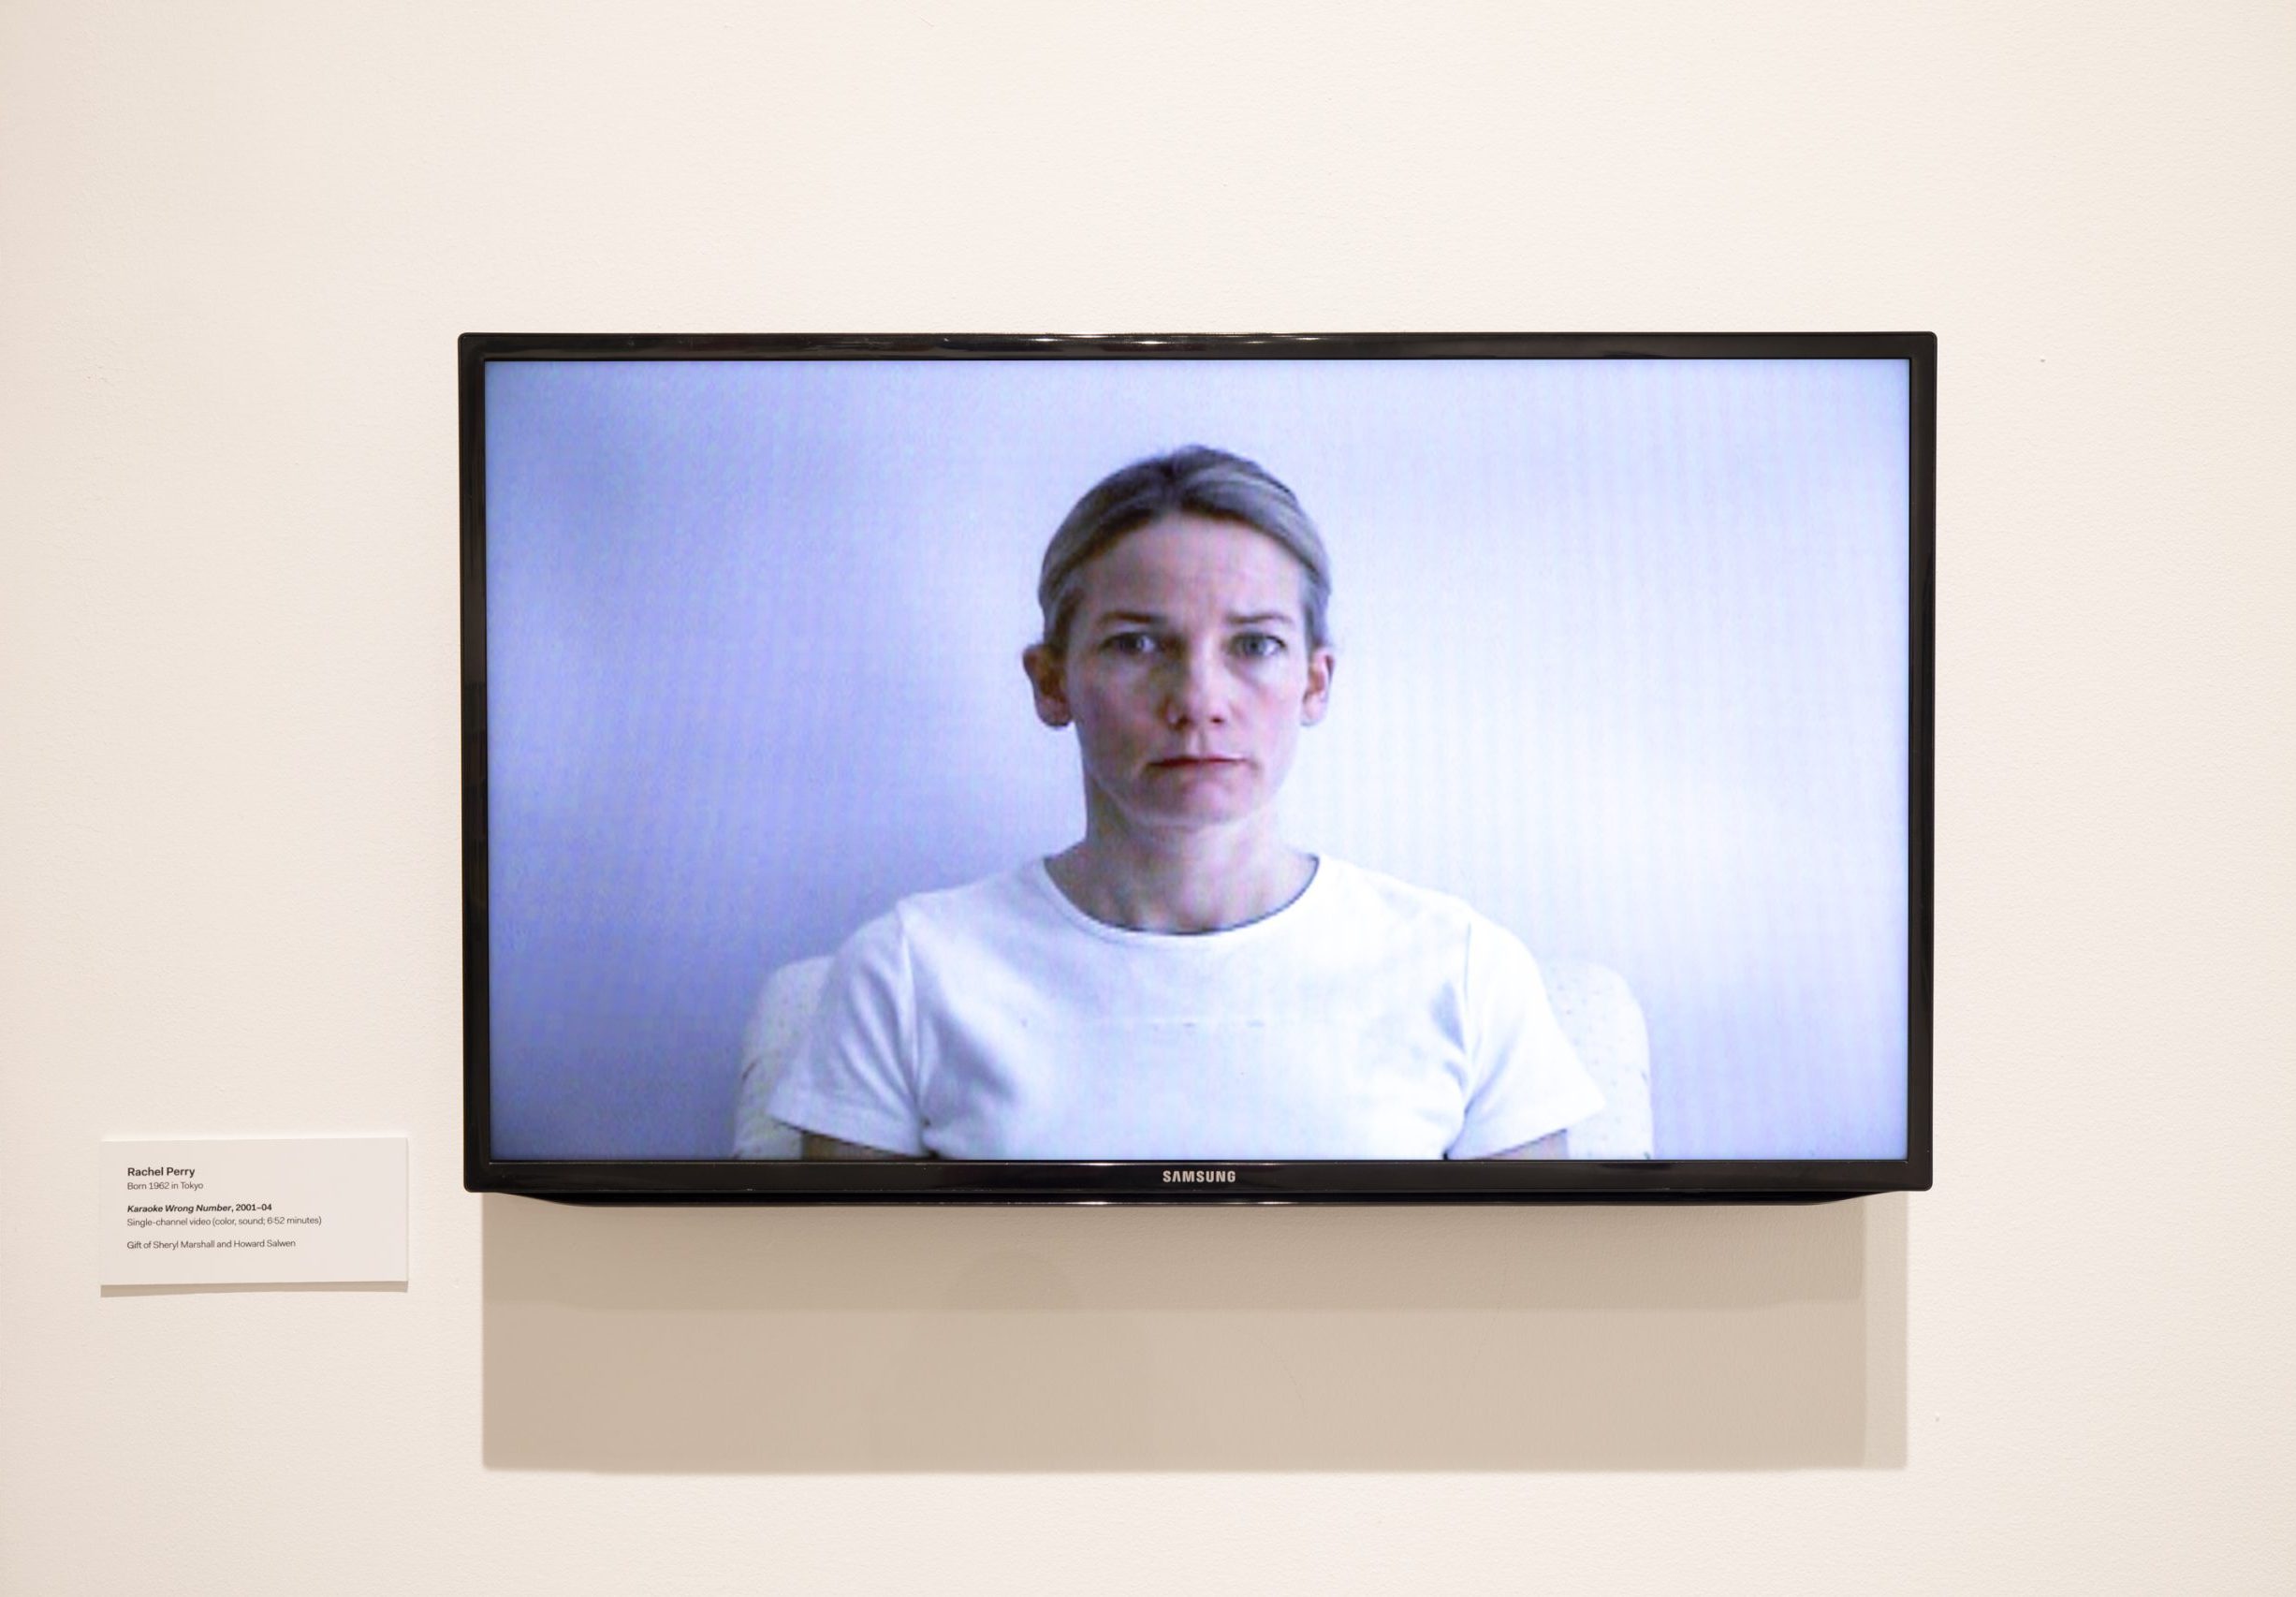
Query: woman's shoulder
point(1356, 891)
point(1371, 908)
point(1015, 894)
point(929, 923)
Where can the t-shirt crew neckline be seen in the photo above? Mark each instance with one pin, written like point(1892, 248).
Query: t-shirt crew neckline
point(1063, 905)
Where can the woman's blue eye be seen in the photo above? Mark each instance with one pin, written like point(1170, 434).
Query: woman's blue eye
point(1130, 643)
point(1259, 645)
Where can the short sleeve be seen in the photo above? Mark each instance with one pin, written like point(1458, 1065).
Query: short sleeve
point(854, 1077)
point(1525, 1081)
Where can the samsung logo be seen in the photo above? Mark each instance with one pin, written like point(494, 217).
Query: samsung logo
point(1171, 1175)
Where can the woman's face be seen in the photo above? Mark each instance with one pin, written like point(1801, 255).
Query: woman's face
point(1188, 673)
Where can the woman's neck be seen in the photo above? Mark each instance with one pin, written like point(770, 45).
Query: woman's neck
point(1201, 879)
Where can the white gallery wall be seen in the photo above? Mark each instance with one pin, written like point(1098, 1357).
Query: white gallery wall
point(236, 244)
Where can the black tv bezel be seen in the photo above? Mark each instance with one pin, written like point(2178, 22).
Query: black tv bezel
point(927, 1180)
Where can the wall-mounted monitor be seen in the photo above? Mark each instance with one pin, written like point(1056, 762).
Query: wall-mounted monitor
point(1370, 766)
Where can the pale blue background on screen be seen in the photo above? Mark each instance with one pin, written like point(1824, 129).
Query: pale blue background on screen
point(1623, 662)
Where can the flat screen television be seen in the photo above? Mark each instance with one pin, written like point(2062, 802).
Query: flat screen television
point(1198, 768)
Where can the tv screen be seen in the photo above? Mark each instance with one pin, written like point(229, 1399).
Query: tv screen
point(1368, 766)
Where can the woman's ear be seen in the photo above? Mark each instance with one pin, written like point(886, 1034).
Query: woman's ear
point(1317, 699)
point(1049, 678)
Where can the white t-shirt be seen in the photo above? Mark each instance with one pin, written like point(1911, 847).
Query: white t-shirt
point(1366, 1020)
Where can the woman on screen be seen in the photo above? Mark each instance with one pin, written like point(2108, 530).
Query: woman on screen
point(1182, 983)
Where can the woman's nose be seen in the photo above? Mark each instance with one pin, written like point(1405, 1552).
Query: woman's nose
point(1196, 695)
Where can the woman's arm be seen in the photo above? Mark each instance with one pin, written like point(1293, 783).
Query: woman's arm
point(849, 1088)
point(1525, 1077)
point(1552, 1146)
point(820, 1147)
